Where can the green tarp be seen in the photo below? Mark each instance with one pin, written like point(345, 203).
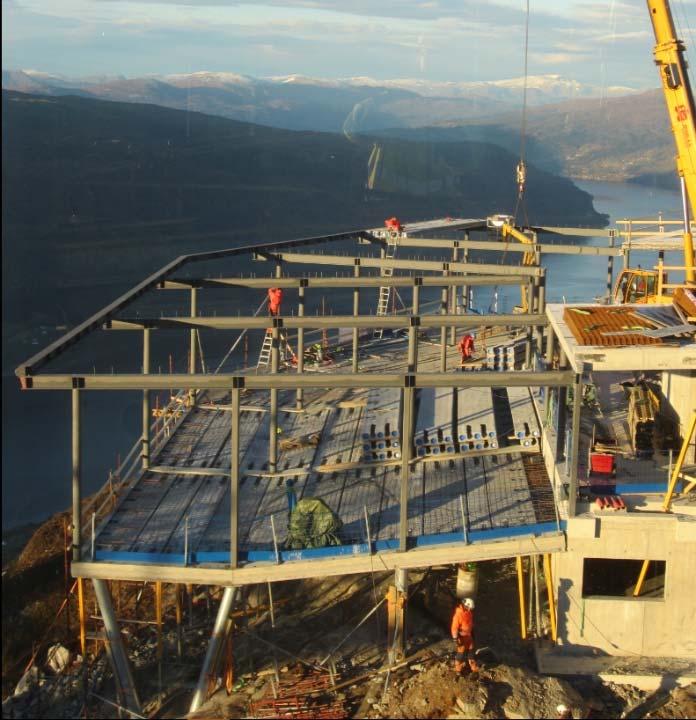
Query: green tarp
point(313, 524)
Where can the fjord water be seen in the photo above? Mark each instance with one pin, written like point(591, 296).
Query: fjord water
point(36, 425)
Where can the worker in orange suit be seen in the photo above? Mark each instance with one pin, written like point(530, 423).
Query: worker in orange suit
point(463, 635)
point(275, 296)
point(466, 347)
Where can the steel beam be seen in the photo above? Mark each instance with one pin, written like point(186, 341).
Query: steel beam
point(338, 282)
point(391, 322)
point(408, 264)
point(116, 649)
point(137, 381)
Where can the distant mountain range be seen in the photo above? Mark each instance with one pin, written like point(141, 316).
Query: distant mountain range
point(98, 192)
point(297, 102)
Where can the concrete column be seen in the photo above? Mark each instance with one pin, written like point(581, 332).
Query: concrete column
point(234, 480)
point(127, 693)
point(443, 332)
point(192, 342)
point(76, 477)
point(214, 647)
point(145, 452)
point(300, 344)
point(406, 444)
point(575, 444)
point(356, 312)
point(273, 425)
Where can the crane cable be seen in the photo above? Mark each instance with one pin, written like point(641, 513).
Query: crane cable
point(521, 169)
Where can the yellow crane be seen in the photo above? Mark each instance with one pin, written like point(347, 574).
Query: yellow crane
point(646, 286)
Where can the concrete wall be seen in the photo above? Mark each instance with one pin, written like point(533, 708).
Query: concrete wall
point(679, 388)
point(664, 627)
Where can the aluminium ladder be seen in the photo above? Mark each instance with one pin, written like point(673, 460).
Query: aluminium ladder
point(385, 291)
point(267, 349)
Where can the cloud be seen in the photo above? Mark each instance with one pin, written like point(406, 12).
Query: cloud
point(558, 58)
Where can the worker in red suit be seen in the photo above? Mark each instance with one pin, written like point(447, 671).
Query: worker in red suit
point(463, 635)
point(275, 296)
point(466, 347)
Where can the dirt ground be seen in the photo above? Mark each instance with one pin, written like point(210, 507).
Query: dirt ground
point(315, 623)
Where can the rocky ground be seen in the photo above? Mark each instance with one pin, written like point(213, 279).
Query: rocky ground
point(312, 620)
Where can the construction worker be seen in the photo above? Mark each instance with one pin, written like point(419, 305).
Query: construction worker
point(463, 635)
point(275, 296)
point(466, 347)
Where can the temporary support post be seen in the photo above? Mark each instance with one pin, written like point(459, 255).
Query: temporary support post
point(178, 615)
point(575, 446)
point(552, 602)
point(234, 480)
point(399, 637)
point(82, 616)
point(443, 332)
point(520, 592)
point(356, 312)
point(116, 649)
point(676, 470)
point(273, 425)
point(300, 344)
point(406, 443)
point(145, 453)
point(76, 477)
point(193, 342)
point(214, 646)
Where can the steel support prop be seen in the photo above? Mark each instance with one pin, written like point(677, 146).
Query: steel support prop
point(641, 578)
point(234, 480)
point(76, 477)
point(575, 446)
point(401, 584)
point(300, 344)
point(116, 649)
point(677, 469)
point(552, 601)
point(145, 452)
point(199, 696)
point(356, 312)
point(520, 592)
point(273, 425)
point(406, 444)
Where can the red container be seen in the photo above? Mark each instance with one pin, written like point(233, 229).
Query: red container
point(602, 463)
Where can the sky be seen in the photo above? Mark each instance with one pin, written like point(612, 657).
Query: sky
point(602, 42)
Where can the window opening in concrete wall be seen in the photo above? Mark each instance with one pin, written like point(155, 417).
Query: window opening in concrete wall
point(618, 578)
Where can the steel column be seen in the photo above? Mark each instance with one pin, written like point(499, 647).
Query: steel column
point(192, 341)
point(116, 649)
point(234, 480)
point(356, 312)
point(413, 333)
point(453, 298)
point(465, 288)
point(550, 343)
point(562, 411)
point(406, 443)
point(145, 453)
point(443, 332)
point(273, 425)
point(610, 267)
point(300, 344)
point(76, 477)
point(575, 446)
point(216, 639)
